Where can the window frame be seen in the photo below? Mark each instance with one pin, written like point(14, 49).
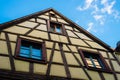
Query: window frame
point(57, 23)
point(17, 52)
point(107, 69)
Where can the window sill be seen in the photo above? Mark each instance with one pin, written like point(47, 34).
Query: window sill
point(99, 69)
point(57, 33)
point(30, 60)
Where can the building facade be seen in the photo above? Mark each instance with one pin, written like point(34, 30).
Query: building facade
point(48, 46)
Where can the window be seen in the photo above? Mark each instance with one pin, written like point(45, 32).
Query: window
point(54, 27)
point(52, 15)
point(30, 50)
point(94, 60)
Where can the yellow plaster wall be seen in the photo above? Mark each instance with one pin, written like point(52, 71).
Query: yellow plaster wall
point(12, 37)
point(3, 47)
point(46, 13)
point(108, 76)
point(116, 65)
point(57, 57)
point(42, 27)
point(73, 48)
point(78, 42)
point(34, 39)
point(5, 63)
point(117, 55)
point(40, 68)
point(68, 27)
point(28, 24)
point(58, 70)
point(39, 34)
point(70, 59)
point(13, 45)
point(16, 29)
point(95, 45)
point(49, 44)
point(63, 39)
point(43, 16)
point(65, 48)
point(118, 76)
point(104, 54)
point(53, 19)
point(55, 37)
point(76, 29)
point(41, 21)
point(57, 46)
point(2, 35)
point(48, 54)
point(58, 16)
point(52, 12)
point(32, 19)
point(89, 49)
point(78, 73)
point(94, 75)
point(21, 65)
point(70, 33)
point(62, 21)
point(108, 63)
point(110, 55)
point(79, 58)
point(81, 35)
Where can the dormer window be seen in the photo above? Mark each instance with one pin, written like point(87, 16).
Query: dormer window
point(54, 27)
point(52, 15)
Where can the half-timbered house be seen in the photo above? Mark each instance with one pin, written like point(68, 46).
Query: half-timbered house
point(48, 46)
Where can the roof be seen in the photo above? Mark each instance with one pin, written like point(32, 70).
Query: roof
point(22, 19)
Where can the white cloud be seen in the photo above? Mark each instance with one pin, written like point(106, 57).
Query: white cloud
point(99, 18)
point(100, 11)
point(116, 15)
point(90, 26)
point(86, 5)
point(108, 7)
point(104, 1)
point(96, 9)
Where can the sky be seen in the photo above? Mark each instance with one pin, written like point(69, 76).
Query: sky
point(99, 17)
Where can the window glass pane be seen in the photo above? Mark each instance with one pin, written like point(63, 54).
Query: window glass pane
point(58, 29)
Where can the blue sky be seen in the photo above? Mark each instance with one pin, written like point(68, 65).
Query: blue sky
point(99, 17)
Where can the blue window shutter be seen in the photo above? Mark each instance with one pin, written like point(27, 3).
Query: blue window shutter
point(24, 51)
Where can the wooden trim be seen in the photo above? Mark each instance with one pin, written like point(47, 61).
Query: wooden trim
point(10, 52)
point(48, 29)
point(50, 61)
point(64, 61)
point(8, 75)
point(31, 67)
point(115, 76)
point(101, 76)
point(31, 29)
